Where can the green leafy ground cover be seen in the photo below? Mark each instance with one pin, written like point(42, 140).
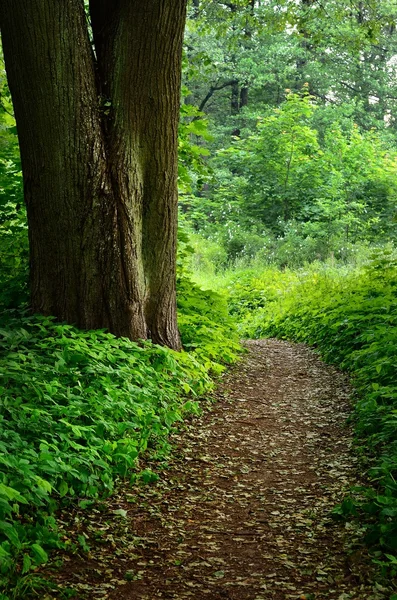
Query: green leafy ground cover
point(79, 408)
point(350, 315)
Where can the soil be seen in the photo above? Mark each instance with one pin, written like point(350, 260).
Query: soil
point(244, 509)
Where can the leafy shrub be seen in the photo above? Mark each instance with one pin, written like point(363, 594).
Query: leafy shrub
point(249, 291)
point(337, 184)
point(206, 327)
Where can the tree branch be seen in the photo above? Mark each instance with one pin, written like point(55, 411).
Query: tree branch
point(350, 87)
point(215, 88)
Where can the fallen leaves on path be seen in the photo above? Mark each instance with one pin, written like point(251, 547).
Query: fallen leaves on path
point(243, 510)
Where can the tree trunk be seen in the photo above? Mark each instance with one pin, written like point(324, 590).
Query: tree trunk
point(98, 137)
point(244, 96)
point(234, 99)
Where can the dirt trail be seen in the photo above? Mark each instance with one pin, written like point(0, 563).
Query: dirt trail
point(243, 512)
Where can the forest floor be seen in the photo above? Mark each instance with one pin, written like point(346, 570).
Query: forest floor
point(243, 510)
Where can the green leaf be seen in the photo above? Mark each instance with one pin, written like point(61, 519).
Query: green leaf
point(12, 494)
point(44, 485)
point(11, 533)
point(219, 574)
point(63, 489)
point(40, 555)
point(27, 563)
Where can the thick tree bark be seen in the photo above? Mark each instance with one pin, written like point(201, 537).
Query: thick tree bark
point(98, 143)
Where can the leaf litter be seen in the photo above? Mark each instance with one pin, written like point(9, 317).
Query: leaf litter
point(243, 509)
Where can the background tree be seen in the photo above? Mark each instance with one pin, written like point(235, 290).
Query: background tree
point(98, 138)
point(344, 50)
point(278, 175)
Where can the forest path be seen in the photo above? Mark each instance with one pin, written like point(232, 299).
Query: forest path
point(243, 511)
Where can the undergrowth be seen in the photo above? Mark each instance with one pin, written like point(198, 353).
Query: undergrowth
point(350, 315)
point(79, 408)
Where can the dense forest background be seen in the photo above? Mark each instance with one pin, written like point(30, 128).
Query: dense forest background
point(298, 121)
point(288, 216)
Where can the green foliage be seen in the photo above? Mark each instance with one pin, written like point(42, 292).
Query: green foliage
point(193, 130)
point(78, 409)
point(207, 255)
point(339, 189)
point(344, 50)
point(307, 184)
point(13, 227)
point(350, 315)
point(13, 238)
point(316, 172)
point(274, 170)
point(206, 327)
